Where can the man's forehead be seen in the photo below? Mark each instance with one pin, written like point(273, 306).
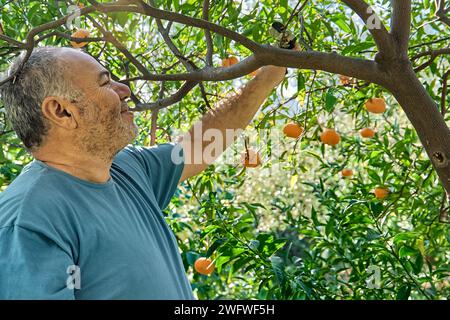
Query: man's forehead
point(80, 63)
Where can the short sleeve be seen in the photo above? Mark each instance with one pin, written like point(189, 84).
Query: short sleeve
point(33, 267)
point(162, 164)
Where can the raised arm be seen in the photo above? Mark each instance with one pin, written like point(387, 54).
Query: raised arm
point(234, 112)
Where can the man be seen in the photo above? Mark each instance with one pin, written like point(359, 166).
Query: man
point(84, 219)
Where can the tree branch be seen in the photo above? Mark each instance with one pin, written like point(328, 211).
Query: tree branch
point(444, 92)
point(148, 10)
point(401, 25)
point(30, 42)
point(109, 37)
point(208, 39)
point(381, 36)
point(264, 54)
point(330, 62)
point(13, 41)
point(441, 12)
point(176, 97)
point(153, 126)
point(433, 55)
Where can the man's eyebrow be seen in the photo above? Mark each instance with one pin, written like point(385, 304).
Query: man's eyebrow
point(103, 73)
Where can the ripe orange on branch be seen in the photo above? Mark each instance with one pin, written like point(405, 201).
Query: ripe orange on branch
point(292, 130)
point(228, 62)
point(376, 105)
point(80, 33)
point(204, 266)
point(346, 173)
point(367, 133)
point(345, 80)
point(381, 192)
point(330, 137)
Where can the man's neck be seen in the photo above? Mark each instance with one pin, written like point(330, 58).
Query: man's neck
point(85, 167)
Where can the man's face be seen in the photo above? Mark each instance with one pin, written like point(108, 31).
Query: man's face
point(105, 126)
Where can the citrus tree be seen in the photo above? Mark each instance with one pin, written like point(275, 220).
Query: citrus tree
point(348, 196)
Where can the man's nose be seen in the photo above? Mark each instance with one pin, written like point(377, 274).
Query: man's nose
point(122, 90)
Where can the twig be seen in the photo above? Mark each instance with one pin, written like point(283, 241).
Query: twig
point(433, 55)
point(208, 39)
point(444, 91)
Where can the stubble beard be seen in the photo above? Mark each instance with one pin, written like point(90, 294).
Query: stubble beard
point(107, 135)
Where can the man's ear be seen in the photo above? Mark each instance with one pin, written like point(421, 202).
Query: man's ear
point(60, 112)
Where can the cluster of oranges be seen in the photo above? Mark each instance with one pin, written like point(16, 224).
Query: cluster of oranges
point(331, 137)
point(373, 105)
point(251, 158)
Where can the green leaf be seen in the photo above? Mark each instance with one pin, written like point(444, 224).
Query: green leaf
point(191, 257)
point(300, 81)
point(403, 292)
point(216, 244)
point(407, 251)
point(330, 100)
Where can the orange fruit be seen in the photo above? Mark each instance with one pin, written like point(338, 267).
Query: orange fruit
point(204, 266)
point(344, 80)
point(347, 172)
point(376, 105)
point(330, 137)
point(80, 33)
point(367, 133)
point(292, 130)
point(381, 192)
point(233, 60)
point(228, 62)
point(250, 159)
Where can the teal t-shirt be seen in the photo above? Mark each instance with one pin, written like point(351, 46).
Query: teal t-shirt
point(66, 238)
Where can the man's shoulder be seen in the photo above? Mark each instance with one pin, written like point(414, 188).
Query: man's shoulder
point(140, 154)
point(34, 188)
point(137, 159)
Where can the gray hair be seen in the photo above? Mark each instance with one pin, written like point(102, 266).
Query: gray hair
point(41, 76)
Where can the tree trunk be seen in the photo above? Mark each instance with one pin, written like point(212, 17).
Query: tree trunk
point(425, 116)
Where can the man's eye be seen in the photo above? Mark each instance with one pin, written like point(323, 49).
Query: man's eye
point(106, 83)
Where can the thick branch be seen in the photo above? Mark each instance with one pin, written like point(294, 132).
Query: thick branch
point(379, 33)
point(401, 25)
point(330, 62)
